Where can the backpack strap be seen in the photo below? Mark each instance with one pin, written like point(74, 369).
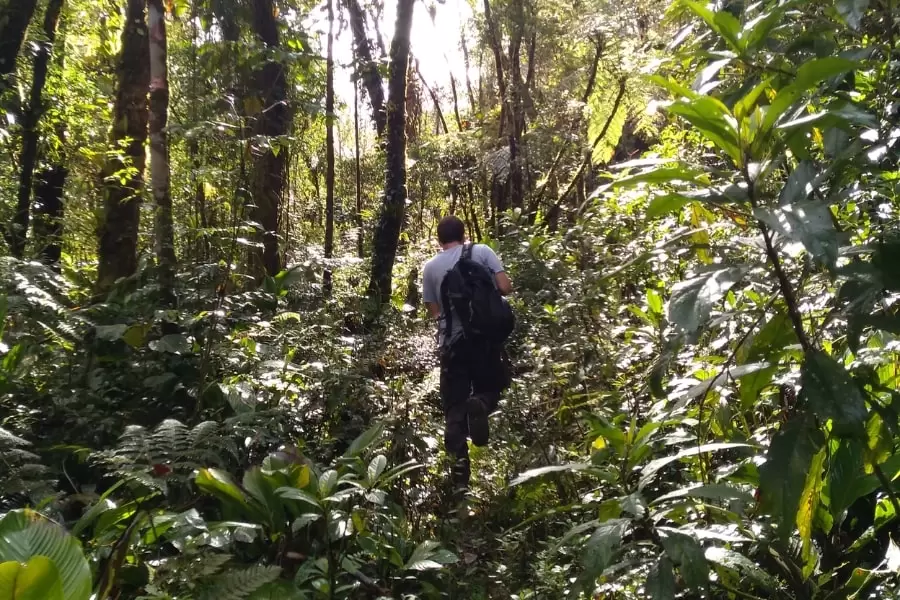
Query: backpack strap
point(467, 251)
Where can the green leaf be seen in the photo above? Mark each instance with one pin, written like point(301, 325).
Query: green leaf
point(666, 204)
point(661, 580)
point(687, 553)
point(174, 343)
point(110, 333)
point(809, 74)
point(423, 557)
point(832, 394)
point(290, 493)
point(722, 22)
point(799, 184)
point(740, 564)
point(376, 468)
point(713, 491)
point(809, 499)
point(665, 174)
point(782, 478)
point(692, 300)
point(364, 441)
point(852, 11)
point(540, 471)
point(220, 484)
point(37, 579)
point(327, 483)
point(810, 224)
point(24, 534)
point(845, 484)
point(601, 546)
point(757, 30)
point(714, 121)
point(652, 468)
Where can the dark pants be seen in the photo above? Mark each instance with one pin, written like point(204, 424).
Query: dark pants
point(469, 367)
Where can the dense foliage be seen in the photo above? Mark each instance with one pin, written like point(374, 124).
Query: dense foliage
point(204, 392)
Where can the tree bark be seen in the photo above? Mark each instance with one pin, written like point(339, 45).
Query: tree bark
point(271, 121)
point(14, 20)
point(19, 230)
point(49, 212)
point(159, 152)
point(360, 234)
point(124, 173)
point(387, 234)
point(329, 153)
point(368, 68)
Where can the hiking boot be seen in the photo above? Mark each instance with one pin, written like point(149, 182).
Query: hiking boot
point(479, 430)
point(459, 476)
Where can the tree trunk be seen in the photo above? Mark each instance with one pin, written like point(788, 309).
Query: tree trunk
point(272, 121)
point(14, 20)
point(368, 68)
point(49, 209)
point(360, 234)
point(159, 152)
point(329, 152)
point(122, 199)
point(19, 230)
point(387, 234)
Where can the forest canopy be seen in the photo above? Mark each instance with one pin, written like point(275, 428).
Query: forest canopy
point(217, 377)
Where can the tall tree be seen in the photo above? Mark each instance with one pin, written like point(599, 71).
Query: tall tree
point(272, 120)
point(367, 68)
point(124, 172)
point(14, 19)
point(329, 151)
point(360, 234)
point(159, 151)
point(30, 135)
point(387, 233)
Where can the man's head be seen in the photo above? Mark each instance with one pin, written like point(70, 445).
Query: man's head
point(451, 229)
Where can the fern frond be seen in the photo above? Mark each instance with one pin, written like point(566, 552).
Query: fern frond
point(240, 584)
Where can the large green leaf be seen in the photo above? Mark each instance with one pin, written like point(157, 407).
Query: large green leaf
point(661, 580)
point(798, 186)
point(25, 534)
point(809, 74)
point(809, 499)
point(740, 564)
point(365, 440)
point(769, 345)
point(692, 299)
point(809, 223)
point(687, 553)
point(601, 546)
point(782, 478)
point(722, 22)
point(37, 579)
point(714, 121)
point(832, 394)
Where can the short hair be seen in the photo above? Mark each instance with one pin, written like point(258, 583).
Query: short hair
point(451, 229)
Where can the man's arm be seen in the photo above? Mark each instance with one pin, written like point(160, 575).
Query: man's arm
point(493, 262)
point(433, 309)
point(504, 285)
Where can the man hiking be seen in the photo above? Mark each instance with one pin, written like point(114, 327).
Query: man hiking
point(462, 289)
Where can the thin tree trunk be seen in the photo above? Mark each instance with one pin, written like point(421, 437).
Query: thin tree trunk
point(159, 152)
point(272, 121)
point(368, 68)
point(19, 230)
point(329, 153)
point(14, 20)
point(473, 106)
point(459, 123)
point(119, 231)
point(387, 233)
point(360, 234)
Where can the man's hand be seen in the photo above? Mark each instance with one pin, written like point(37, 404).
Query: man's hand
point(504, 285)
point(433, 309)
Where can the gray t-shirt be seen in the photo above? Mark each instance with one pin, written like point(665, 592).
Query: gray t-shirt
point(433, 275)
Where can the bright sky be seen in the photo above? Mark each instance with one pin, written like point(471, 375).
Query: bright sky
point(435, 43)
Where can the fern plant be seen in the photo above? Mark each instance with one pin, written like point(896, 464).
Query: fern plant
point(23, 476)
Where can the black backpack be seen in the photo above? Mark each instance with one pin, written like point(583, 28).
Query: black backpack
point(470, 290)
